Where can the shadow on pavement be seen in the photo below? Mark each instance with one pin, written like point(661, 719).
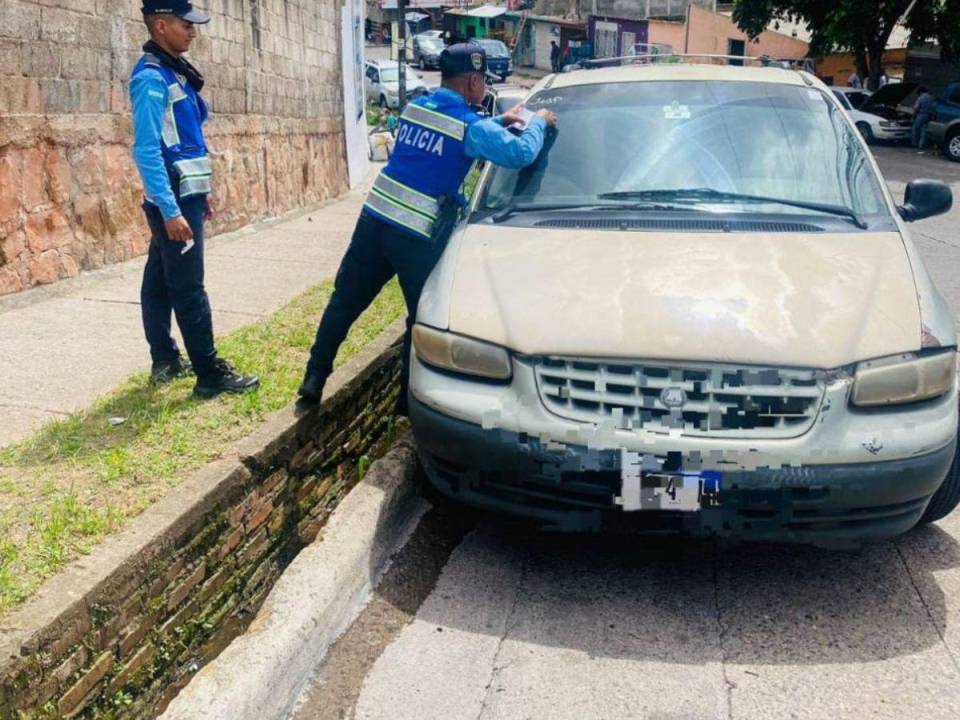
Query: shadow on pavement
point(674, 600)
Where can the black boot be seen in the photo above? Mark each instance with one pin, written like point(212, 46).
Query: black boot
point(224, 379)
point(311, 389)
point(164, 372)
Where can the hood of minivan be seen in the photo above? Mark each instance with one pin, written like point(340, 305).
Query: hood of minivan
point(813, 300)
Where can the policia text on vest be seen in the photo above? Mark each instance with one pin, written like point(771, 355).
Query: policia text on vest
point(411, 209)
point(171, 156)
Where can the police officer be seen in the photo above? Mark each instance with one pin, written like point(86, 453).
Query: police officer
point(171, 155)
point(408, 215)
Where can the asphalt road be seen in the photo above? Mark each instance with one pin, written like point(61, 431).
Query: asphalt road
point(483, 621)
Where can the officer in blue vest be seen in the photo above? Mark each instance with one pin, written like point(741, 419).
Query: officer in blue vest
point(408, 215)
point(171, 155)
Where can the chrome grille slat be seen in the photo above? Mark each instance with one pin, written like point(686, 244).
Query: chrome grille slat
point(720, 400)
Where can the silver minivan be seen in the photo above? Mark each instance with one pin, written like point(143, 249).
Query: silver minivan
point(699, 311)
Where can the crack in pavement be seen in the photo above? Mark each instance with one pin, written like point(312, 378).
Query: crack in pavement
point(916, 589)
point(27, 406)
point(283, 261)
point(508, 626)
point(729, 685)
point(137, 302)
point(938, 240)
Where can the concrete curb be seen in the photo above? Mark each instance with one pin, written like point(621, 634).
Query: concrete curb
point(260, 675)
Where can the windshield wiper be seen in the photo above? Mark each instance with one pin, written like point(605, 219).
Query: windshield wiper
point(547, 207)
point(720, 196)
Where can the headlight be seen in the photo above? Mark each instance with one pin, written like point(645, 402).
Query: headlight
point(904, 378)
point(460, 354)
point(886, 124)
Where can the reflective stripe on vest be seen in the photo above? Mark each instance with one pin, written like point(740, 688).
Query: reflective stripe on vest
point(400, 214)
point(435, 121)
point(405, 195)
point(194, 175)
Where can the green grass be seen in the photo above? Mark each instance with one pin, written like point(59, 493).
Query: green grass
point(78, 479)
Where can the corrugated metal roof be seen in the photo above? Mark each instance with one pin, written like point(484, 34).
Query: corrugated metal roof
point(486, 11)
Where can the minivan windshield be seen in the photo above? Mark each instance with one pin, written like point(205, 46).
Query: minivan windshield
point(494, 48)
point(718, 146)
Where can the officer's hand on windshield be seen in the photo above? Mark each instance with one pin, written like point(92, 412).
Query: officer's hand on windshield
point(549, 116)
point(512, 116)
point(178, 230)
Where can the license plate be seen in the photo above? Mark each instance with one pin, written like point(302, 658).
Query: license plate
point(658, 490)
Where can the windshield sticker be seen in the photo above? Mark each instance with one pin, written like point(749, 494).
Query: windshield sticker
point(676, 111)
point(814, 95)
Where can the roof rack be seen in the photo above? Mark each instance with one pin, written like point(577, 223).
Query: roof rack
point(658, 57)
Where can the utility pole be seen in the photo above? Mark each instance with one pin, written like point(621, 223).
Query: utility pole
point(402, 52)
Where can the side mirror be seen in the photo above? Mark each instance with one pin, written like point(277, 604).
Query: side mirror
point(925, 198)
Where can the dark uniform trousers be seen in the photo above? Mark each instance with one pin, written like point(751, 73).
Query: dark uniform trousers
point(377, 252)
point(173, 281)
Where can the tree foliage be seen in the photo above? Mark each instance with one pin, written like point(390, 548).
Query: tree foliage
point(862, 27)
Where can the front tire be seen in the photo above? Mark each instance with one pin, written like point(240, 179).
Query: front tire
point(951, 146)
point(947, 497)
point(423, 64)
point(866, 132)
point(383, 101)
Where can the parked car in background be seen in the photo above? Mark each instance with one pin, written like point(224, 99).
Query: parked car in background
point(699, 311)
point(499, 61)
point(877, 119)
point(381, 83)
point(894, 104)
point(856, 96)
point(427, 48)
point(944, 127)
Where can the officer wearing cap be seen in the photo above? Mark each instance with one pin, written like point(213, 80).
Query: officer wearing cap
point(408, 215)
point(171, 155)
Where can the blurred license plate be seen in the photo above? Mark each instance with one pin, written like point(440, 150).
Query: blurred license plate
point(657, 490)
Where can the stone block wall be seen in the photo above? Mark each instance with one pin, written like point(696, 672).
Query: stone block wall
point(69, 192)
point(123, 645)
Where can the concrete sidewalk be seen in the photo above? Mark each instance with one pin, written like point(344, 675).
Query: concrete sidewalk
point(63, 345)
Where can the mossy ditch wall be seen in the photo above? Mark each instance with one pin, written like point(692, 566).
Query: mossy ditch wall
point(120, 632)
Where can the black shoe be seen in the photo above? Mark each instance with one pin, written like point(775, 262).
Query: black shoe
point(312, 387)
point(224, 380)
point(164, 372)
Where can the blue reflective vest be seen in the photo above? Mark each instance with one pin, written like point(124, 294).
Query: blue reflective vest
point(184, 149)
point(429, 163)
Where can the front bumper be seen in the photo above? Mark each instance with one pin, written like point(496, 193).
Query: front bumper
point(901, 132)
point(822, 488)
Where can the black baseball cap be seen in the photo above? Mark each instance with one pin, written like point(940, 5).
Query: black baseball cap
point(181, 8)
point(463, 58)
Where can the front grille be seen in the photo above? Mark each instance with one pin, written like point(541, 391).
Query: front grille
point(695, 399)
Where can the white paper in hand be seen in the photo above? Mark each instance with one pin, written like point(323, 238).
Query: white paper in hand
point(186, 247)
point(524, 116)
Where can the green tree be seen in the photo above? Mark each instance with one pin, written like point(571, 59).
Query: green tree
point(861, 27)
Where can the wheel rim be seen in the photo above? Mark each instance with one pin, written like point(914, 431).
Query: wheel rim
point(954, 146)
